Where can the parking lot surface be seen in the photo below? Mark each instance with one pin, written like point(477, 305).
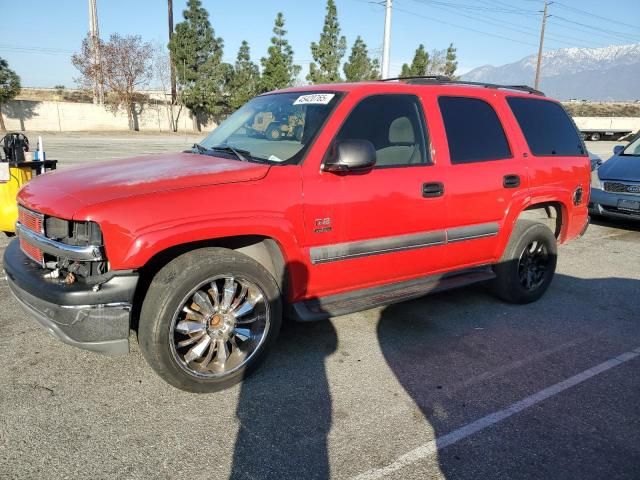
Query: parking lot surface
point(454, 385)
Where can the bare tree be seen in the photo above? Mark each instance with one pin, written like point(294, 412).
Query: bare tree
point(162, 74)
point(437, 62)
point(125, 67)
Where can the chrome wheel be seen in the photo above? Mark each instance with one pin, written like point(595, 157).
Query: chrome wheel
point(533, 265)
point(219, 326)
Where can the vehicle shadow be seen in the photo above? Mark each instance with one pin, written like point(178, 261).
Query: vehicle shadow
point(616, 223)
point(461, 355)
point(458, 356)
point(284, 435)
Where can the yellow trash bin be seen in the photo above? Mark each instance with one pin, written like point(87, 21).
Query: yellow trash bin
point(17, 176)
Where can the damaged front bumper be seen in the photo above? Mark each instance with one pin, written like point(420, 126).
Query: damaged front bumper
point(82, 315)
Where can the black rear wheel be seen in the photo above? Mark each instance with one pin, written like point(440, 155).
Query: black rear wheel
point(528, 263)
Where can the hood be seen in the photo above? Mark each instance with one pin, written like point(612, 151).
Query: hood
point(621, 167)
point(62, 192)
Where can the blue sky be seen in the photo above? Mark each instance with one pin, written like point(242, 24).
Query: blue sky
point(44, 34)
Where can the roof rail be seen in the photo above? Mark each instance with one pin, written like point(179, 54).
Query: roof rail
point(443, 80)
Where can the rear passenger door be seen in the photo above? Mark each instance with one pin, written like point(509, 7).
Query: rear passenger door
point(485, 175)
point(558, 159)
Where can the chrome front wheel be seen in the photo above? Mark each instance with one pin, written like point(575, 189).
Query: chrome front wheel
point(219, 326)
point(209, 318)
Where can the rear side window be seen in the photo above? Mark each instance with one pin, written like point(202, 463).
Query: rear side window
point(546, 127)
point(474, 131)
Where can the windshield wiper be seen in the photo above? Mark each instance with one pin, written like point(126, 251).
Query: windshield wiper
point(236, 151)
point(199, 148)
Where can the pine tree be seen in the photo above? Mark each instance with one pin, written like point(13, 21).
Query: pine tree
point(419, 65)
point(9, 87)
point(328, 52)
point(451, 63)
point(360, 66)
point(197, 55)
point(278, 69)
point(245, 80)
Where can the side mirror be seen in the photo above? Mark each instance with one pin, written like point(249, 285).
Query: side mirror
point(617, 150)
point(351, 156)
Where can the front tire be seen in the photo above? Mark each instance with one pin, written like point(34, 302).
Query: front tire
point(528, 264)
point(208, 319)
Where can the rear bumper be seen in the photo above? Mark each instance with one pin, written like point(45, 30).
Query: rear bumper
point(606, 204)
point(75, 314)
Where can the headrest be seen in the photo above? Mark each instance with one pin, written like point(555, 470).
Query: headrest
point(401, 131)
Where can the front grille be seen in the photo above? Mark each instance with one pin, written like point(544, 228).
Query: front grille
point(618, 187)
point(32, 252)
point(31, 220)
point(34, 222)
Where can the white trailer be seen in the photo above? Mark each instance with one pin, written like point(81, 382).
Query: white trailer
point(606, 128)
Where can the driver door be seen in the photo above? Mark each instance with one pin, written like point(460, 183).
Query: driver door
point(370, 228)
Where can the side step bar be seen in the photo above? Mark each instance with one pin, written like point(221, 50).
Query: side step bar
point(344, 303)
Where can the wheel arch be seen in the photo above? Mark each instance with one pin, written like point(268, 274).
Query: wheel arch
point(551, 212)
point(265, 250)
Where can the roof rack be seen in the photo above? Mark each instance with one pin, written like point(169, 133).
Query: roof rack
point(442, 80)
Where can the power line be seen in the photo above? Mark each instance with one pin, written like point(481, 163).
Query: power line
point(451, 24)
point(30, 49)
point(479, 17)
point(591, 14)
point(608, 32)
point(463, 6)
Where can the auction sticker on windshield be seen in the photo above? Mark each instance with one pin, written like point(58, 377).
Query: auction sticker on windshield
point(314, 99)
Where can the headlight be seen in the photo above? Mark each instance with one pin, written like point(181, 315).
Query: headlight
point(595, 180)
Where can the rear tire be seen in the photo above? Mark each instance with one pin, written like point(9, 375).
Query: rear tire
point(208, 319)
point(528, 264)
point(595, 137)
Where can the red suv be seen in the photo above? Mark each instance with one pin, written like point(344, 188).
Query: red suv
point(390, 190)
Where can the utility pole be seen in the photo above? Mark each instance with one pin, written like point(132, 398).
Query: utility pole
point(387, 39)
point(94, 35)
point(544, 22)
point(174, 91)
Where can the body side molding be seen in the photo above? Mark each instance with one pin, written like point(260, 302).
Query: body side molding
point(362, 248)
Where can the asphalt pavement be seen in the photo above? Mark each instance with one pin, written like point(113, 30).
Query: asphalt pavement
point(454, 385)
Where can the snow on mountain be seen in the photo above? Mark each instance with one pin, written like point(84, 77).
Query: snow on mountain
point(607, 73)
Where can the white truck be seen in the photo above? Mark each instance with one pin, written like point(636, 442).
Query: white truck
point(606, 128)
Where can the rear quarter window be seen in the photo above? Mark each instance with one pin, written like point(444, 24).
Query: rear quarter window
point(547, 128)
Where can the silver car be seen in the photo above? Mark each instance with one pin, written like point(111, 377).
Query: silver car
point(615, 185)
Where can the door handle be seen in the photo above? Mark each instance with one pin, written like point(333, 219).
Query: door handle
point(511, 181)
point(433, 189)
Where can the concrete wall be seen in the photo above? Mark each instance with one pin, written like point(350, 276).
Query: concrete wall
point(31, 115)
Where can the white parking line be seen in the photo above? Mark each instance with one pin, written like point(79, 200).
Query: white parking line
point(461, 433)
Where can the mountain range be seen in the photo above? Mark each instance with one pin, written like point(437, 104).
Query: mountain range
point(605, 74)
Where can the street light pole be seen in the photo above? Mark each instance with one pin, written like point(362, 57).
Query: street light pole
point(386, 46)
point(174, 91)
point(544, 22)
point(94, 35)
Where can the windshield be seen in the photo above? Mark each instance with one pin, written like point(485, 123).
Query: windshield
point(633, 148)
point(277, 128)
